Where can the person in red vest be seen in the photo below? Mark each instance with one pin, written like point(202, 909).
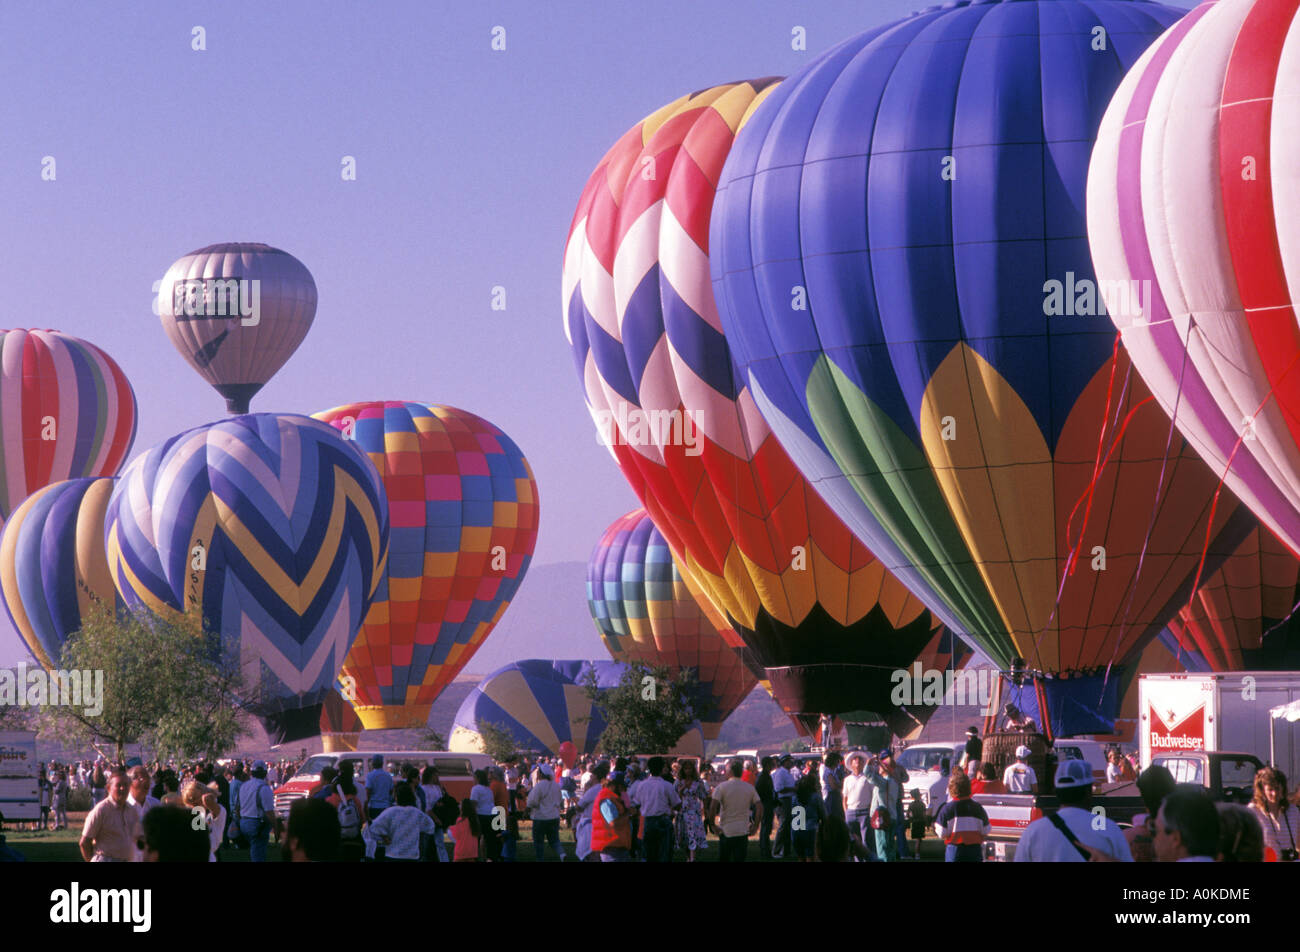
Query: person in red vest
point(611, 830)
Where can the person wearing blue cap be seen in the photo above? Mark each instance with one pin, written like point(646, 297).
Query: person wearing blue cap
point(379, 788)
point(257, 817)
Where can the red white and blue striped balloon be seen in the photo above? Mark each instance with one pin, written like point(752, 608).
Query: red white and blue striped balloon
point(66, 411)
point(275, 527)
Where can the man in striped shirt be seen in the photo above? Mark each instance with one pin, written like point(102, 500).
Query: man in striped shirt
point(961, 823)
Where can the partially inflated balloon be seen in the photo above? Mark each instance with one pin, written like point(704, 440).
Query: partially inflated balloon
point(66, 411)
point(237, 311)
point(1240, 617)
point(645, 611)
point(340, 727)
point(275, 528)
point(464, 510)
point(901, 267)
point(52, 563)
point(543, 705)
point(1192, 209)
point(817, 611)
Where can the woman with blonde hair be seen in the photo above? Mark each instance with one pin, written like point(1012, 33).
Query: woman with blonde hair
point(202, 800)
point(1280, 819)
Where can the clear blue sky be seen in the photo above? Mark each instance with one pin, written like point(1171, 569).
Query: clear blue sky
point(469, 163)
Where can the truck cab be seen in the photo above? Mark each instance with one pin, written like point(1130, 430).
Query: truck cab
point(1228, 775)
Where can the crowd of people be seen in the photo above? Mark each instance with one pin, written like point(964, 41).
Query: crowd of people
point(832, 809)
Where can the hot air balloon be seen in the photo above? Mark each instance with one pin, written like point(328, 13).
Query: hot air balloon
point(645, 612)
point(900, 264)
point(272, 526)
point(66, 411)
point(817, 611)
point(1240, 617)
point(544, 704)
point(1191, 205)
point(464, 510)
point(340, 727)
point(236, 312)
point(52, 563)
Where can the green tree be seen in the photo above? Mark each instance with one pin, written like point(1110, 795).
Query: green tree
point(647, 712)
point(498, 743)
point(166, 684)
point(432, 740)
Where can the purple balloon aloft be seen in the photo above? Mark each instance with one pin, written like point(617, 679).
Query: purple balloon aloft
point(237, 311)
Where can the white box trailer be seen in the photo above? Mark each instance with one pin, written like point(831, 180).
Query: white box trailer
point(1219, 712)
point(20, 795)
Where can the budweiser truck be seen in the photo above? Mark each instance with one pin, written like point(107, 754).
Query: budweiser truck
point(20, 797)
point(1206, 713)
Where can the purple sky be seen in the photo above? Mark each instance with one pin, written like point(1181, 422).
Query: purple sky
point(469, 164)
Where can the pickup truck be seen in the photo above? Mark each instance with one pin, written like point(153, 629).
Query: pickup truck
point(1229, 777)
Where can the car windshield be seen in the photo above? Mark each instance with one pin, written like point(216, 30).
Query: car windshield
point(1238, 773)
point(922, 759)
point(314, 766)
point(1184, 770)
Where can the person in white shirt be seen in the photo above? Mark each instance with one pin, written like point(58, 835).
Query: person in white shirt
point(783, 783)
point(398, 828)
point(856, 794)
point(1019, 777)
point(544, 806)
point(1187, 828)
point(1046, 840)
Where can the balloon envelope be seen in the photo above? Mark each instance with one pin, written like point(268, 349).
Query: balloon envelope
point(464, 510)
point(543, 704)
point(815, 609)
point(644, 611)
point(66, 411)
point(1191, 217)
point(275, 528)
point(236, 312)
point(901, 268)
point(52, 563)
point(1240, 617)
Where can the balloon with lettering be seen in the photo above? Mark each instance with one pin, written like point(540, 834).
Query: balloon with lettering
point(543, 705)
point(818, 612)
point(900, 264)
point(53, 567)
point(1192, 204)
point(275, 528)
point(66, 411)
point(464, 510)
point(645, 611)
point(236, 312)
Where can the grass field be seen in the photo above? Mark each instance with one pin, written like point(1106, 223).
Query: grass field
point(61, 847)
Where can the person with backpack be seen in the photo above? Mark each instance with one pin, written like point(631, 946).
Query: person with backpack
point(350, 809)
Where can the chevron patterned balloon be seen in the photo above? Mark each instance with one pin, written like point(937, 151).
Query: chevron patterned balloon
point(274, 527)
point(52, 563)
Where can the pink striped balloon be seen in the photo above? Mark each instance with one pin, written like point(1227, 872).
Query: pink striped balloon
point(1192, 204)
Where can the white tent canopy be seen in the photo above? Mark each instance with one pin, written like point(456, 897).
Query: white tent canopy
point(1289, 711)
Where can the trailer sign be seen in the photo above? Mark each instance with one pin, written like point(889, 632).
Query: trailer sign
point(1172, 731)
